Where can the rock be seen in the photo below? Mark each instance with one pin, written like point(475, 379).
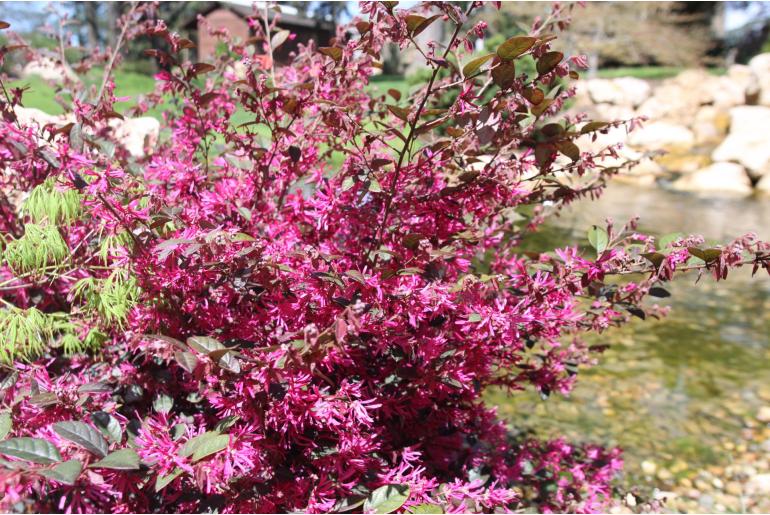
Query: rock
point(625, 91)
point(137, 134)
point(49, 69)
point(748, 142)
point(745, 77)
point(759, 484)
point(763, 186)
point(710, 125)
point(760, 65)
point(719, 179)
point(763, 415)
point(734, 488)
point(33, 116)
point(649, 467)
point(685, 162)
point(679, 98)
point(660, 135)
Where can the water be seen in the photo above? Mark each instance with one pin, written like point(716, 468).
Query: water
point(682, 393)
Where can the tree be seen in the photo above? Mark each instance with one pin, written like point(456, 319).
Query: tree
point(629, 33)
point(301, 311)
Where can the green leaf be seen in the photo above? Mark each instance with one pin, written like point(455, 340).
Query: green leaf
point(503, 74)
point(163, 403)
point(657, 291)
point(279, 38)
point(227, 422)
point(186, 360)
point(204, 344)
point(204, 445)
point(6, 424)
point(333, 52)
point(82, 434)
point(122, 459)
point(401, 113)
point(515, 46)
point(387, 499)
point(35, 450)
point(569, 149)
point(66, 472)
point(178, 430)
point(427, 508)
point(108, 425)
point(415, 23)
point(548, 61)
point(162, 482)
point(474, 317)
point(374, 186)
point(710, 255)
point(474, 65)
point(598, 238)
point(593, 126)
point(656, 258)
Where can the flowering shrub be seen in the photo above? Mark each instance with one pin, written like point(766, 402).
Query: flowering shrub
point(302, 311)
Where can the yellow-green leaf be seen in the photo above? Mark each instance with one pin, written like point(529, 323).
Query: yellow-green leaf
point(515, 46)
point(473, 66)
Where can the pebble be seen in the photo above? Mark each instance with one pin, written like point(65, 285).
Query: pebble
point(759, 484)
point(718, 483)
point(763, 415)
point(734, 488)
point(649, 467)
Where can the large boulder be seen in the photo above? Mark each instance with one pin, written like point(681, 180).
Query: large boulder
point(748, 142)
point(720, 179)
point(49, 69)
point(710, 125)
point(625, 91)
point(763, 186)
point(744, 76)
point(662, 135)
point(760, 65)
point(138, 134)
point(34, 116)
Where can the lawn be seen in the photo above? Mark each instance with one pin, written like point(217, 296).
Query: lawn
point(41, 95)
point(648, 72)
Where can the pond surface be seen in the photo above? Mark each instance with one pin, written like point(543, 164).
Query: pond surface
point(682, 396)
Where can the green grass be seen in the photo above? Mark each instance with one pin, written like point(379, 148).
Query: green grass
point(648, 72)
point(41, 95)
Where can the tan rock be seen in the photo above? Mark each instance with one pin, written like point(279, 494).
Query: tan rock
point(763, 415)
point(710, 125)
point(686, 162)
point(624, 91)
point(763, 186)
point(748, 141)
point(722, 179)
point(49, 69)
point(662, 135)
point(760, 65)
point(138, 134)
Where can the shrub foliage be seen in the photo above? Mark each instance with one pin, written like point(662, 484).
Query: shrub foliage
point(301, 312)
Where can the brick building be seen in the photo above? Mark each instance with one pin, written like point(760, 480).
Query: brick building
point(234, 17)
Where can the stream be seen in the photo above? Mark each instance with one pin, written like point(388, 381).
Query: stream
point(687, 397)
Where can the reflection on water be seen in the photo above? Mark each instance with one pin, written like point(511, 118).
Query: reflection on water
point(680, 395)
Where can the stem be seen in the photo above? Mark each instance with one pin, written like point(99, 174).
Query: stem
point(111, 63)
point(269, 43)
point(408, 143)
